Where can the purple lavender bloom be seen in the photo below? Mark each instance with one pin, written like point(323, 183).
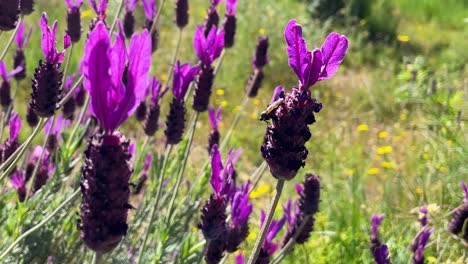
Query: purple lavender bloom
point(208, 48)
point(27, 6)
point(268, 246)
point(9, 11)
point(181, 12)
point(215, 119)
point(5, 87)
point(18, 180)
point(45, 170)
point(129, 18)
point(238, 228)
point(423, 216)
point(151, 125)
point(229, 24)
point(150, 9)
point(175, 124)
point(460, 216)
point(19, 59)
point(260, 59)
point(115, 77)
point(74, 19)
point(69, 106)
point(100, 12)
point(375, 224)
point(11, 144)
point(211, 19)
point(379, 250)
point(316, 65)
point(55, 135)
point(47, 81)
point(418, 257)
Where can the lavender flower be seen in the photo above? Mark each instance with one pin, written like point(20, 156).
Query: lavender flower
point(268, 246)
point(304, 210)
point(150, 13)
point(5, 87)
point(47, 81)
point(70, 105)
point(460, 216)
point(129, 18)
point(240, 258)
point(211, 19)
point(144, 175)
point(175, 124)
point(207, 49)
point(418, 257)
point(31, 118)
point(151, 121)
point(181, 13)
point(55, 132)
point(259, 60)
point(229, 25)
point(379, 250)
point(74, 19)
point(27, 6)
point(18, 180)
point(215, 119)
point(116, 79)
point(19, 58)
point(11, 144)
point(423, 216)
point(44, 171)
point(100, 12)
point(9, 11)
point(238, 228)
point(79, 96)
point(284, 143)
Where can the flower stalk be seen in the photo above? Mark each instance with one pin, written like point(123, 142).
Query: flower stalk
point(12, 37)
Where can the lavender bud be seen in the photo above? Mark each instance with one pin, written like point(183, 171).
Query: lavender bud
point(129, 24)
point(181, 12)
point(31, 118)
point(52, 143)
point(69, 108)
point(5, 95)
point(263, 257)
point(202, 91)
point(261, 59)
point(254, 83)
point(46, 88)
point(80, 96)
point(19, 60)
point(9, 11)
point(214, 252)
point(229, 30)
point(151, 122)
point(8, 148)
point(140, 112)
point(310, 195)
point(74, 24)
point(42, 175)
point(459, 217)
point(175, 123)
point(211, 19)
point(235, 236)
point(213, 139)
point(27, 6)
point(104, 185)
point(284, 142)
point(213, 218)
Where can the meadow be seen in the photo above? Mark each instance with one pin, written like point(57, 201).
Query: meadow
point(391, 137)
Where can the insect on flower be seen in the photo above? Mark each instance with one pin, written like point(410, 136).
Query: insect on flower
point(266, 115)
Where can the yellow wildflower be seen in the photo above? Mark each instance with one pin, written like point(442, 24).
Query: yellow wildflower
point(236, 109)
point(349, 172)
point(384, 150)
point(431, 259)
point(224, 103)
point(252, 236)
point(383, 134)
point(260, 191)
point(164, 77)
point(362, 127)
point(443, 169)
point(403, 38)
point(419, 190)
point(256, 101)
point(388, 165)
point(433, 208)
point(254, 116)
point(219, 92)
point(262, 31)
point(373, 171)
point(425, 156)
point(87, 13)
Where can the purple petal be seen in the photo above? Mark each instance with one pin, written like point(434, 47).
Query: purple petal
point(215, 117)
point(150, 9)
point(18, 180)
point(45, 45)
point(312, 70)
point(130, 5)
point(156, 92)
point(299, 188)
point(240, 259)
point(231, 7)
point(276, 94)
point(19, 38)
point(94, 6)
point(334, 50)
point(199, 44)
point(66, 41)
point(147, 162)
point(465, 190)
point(296, 47)
point(3, 71)
point(69, 3)
point(15, 126)
point(216, 168)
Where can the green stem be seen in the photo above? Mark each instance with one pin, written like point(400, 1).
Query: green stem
point(266, 224)
point(234, 123)
point(170, 71)
point(67, 65)
point(42, 223)
point(153, 27)
point(71, 92)
point(38, 162)
point(220, 60)
point(291, 243)
point(97, 258)
point(2, 125)
point(18, 23)
point(257, 175)
point(157, 198)
point(78, 122)
point(140, 153)
point(116, 17)
point(182, 169)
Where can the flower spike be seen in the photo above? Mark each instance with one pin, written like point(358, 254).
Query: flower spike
point(49, 46)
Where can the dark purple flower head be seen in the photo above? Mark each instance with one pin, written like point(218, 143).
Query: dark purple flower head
point(216, 2)
point(101, 9)
point(218, 179)
point(20, 39)
point(215, 117)
point(460, 216)
point(231, 7)
point(208, 48)
point(381, 255)
point(276, 225)
point(260, 59)
point(183, 76)
point(74, 4)
point(18, 180)
point(418, 257)
point(49, 45)
point(375, 224)
point(316, 65)
point(156, 92)
point(45, 170)
point(9, 11)
point(150, 9)
point(423, 215)
point(11, 144)
point(181, 13)
point(15, 127)
point(115, 77)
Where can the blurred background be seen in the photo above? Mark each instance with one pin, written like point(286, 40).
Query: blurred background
point(390, 138)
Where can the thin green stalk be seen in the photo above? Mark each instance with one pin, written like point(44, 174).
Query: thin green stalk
point(71, 92)
point(266, 224)
point(67, 65)
point(234, 123)
point(175, 190)
point(116, 17)
point(170, 71)
point(42, 223)
point(2, 125)
point(291, 243)
point(18, 23)
point(97, 258)
point(257, 176)
point(157, 198)
point(158, 14)
point(78, 122)
point(139, 154)
point(220, 60)
point(38, 162)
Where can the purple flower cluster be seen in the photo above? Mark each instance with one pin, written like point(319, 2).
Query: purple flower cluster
point(269, 247)
point(215, 119)
point(460, 216)
point(259, 60)
point(5, 86)
point(19, 59)
point(284, 142)
point(9, 11)
point(74, 19)
point(378, 249)
point(151, 119)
